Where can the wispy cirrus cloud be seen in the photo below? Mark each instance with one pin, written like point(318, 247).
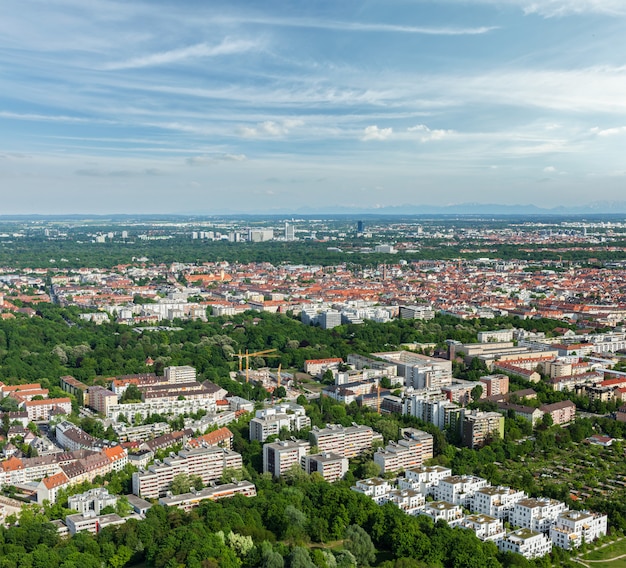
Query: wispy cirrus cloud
point(227, 47)
point(338, 25)
point(205, 160)
point(96, 172)
point(557, 8)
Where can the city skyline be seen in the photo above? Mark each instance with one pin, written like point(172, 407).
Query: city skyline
point(107, 107)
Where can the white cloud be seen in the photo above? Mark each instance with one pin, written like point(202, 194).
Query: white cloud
point(558, 8)
point(609, 131)
point(552, 8)
point(425, 134)
point(227, 47)
point(214, 159)
point(375, 133)
point(549, 169)
point(270, 128)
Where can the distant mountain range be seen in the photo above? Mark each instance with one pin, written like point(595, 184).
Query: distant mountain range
point(593, 209)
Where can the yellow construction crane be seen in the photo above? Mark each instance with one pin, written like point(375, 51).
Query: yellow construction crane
point(247, 355)
point(278, 375)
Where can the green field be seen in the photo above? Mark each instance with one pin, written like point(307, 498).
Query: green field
point(606, 553)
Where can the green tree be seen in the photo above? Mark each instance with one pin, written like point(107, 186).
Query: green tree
point(359, 543)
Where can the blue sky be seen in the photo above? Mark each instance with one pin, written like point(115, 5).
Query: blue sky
point(225, 106)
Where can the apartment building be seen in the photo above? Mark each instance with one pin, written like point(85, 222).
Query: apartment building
point(495, 336)
point(422, 312)
point(70, 437)
point(423, 478)
point(562, 413)
point(496, 502)
point(92, 500)
point(208, 463)
point(278, 457)
point(374, 487)
point(101, 399)
point(443, 511)
point(317, 367)
point(530, 413)
point(420, 371)
point(431, 405)
point(484, 526)
point(458, 489)
point(494, 385)
point(536, 514)
point(572, 528)
point(529, 543)
point(412, 451)
point(330, 466)
point(73, 386)
point(180, 374)
point(188, 501)
point(164, 407)
point(43, 410)
point(90, 522)
point(361, 362)
point(347, 441)
point(477, 427)
point(270, 421)
point(408, 500)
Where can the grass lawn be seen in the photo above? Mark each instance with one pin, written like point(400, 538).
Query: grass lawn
point(611, 551)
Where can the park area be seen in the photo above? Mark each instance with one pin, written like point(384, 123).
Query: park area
point(612, 555)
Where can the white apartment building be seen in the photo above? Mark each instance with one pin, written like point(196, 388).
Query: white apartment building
point(408, 500)
point(420, 371)
point(90, 522)
point(458, 489)
point(572, 528)
point(374, 487)
point(536, 514)
point(484, 526)
point(422, 312)
point(441, 510)
point(423, 478)
point(164, 407)
point(188, 501)
point(269, 421)
point(92, 500)
point(431, 405)
point(496, 502)
point(278, 457)
point(180, 374)
point(496, 336)
point(208, 463)
point(529, 543)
